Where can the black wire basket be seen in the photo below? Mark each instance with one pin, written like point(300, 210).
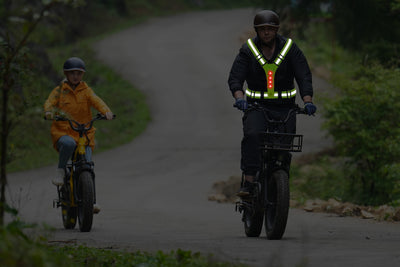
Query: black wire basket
point(282, 141)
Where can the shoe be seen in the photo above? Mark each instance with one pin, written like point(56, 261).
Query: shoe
point(58, 180)
point(246, 190)
point(96, 209)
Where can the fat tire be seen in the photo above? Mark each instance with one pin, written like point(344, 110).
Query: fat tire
point(253, 214)
point(86, 196)
point(253, 222)
point(69, 215)
point(276, 215)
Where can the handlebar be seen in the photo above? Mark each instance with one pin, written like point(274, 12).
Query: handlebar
point(81, 127)
point(256, 106)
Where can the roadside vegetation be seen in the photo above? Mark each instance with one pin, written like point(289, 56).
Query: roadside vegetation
point(360, 112)
point(19, 248)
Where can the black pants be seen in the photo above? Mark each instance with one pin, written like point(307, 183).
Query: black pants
point(255, 122)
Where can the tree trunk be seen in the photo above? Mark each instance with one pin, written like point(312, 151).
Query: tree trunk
point(4, 135)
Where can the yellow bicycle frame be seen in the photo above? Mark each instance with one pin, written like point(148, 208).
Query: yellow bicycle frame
point(80, 150)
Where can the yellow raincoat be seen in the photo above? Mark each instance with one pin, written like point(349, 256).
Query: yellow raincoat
point(76, 104)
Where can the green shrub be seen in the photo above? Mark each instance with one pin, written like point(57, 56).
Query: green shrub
point(364, 123)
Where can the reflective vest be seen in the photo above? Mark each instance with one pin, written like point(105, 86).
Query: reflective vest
point(270, 70)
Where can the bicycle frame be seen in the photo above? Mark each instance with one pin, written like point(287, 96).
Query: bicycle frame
point(77, 196)
point(78, 163)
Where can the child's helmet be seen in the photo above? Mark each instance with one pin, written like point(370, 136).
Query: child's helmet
point(74, 63)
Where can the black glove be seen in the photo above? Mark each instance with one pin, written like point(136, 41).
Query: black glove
point(241, 104)
point(310, 108)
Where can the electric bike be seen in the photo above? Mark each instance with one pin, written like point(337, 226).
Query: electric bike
point(271, 195)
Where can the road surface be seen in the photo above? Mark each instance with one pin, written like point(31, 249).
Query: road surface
point(153, 191)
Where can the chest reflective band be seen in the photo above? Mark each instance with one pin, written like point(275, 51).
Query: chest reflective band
point(270, 70)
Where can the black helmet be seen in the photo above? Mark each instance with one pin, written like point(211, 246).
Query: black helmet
point(266, 17)
point(74, 63)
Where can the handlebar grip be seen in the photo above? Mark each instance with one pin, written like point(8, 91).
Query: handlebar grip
point(55, 118)
point(301, 111)
point(103, 117)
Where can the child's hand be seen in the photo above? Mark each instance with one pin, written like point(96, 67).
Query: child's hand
point(48, 115)
point(109, 115)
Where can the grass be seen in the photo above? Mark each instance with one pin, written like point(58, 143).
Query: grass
point(127, 102)
point(26, 245)
point(83, 256)
point(17, 249)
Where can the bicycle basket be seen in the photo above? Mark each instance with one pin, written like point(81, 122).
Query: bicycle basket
point(282, 141)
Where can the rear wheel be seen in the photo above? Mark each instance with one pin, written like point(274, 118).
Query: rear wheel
point(277, 208)
point(68, 213)
point(69, 216)
point(86, 197)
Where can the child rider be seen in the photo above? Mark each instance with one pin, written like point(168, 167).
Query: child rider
point(74, 98)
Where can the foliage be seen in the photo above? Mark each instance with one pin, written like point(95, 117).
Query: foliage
point(360, 114)
point(18, 25)
point(373, 31)
point(23, 244)
point(17, 248)
point(378, 37)
point(364, 123)
point(84, 256)
point(320, 176)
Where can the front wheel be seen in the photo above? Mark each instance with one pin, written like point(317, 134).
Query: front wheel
point(253, 221)
point(86, 197)
point(277, 208)
point(253, 214)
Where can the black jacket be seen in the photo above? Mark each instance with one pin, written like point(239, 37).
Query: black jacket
point(293, 67)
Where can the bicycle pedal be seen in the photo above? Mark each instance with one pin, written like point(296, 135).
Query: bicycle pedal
point(239, 207)
point(56, 203)
point(243, 194)
point(96, 209)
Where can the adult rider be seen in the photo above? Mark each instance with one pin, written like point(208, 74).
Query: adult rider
point(269, 64)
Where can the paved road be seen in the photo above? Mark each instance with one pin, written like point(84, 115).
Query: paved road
point(154, 190)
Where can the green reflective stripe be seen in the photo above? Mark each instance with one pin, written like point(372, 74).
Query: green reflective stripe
point(288, 94)
point(255, 52)
point(268, 68)
point(258, 94)
point(283, 52)
point(278, 59)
